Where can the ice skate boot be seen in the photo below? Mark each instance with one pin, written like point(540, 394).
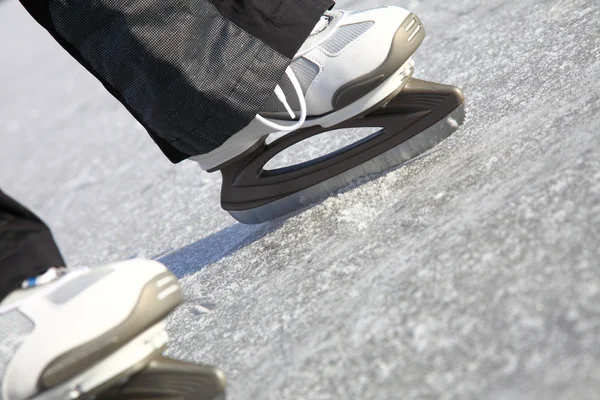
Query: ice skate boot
point(350, 63)
point(97, 334)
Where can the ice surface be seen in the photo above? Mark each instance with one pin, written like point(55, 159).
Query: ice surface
point(473, 273)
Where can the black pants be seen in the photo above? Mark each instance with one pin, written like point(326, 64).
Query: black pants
point(192, 72)
point(27, 248)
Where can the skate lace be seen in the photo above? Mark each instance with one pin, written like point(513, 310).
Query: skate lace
point(281, 96)
point(319, 27)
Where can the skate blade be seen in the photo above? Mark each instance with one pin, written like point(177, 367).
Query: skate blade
point(166, 379)
point(410, 122)
point(393, 158)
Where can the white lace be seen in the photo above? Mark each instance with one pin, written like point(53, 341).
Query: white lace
point(281, 96)
point(321, 25)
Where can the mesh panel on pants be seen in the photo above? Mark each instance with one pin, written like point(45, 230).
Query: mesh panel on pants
point(191, 75)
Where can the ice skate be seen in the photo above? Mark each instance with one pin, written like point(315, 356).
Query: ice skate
point(420, 117)
point(354, 71)
point(97, 334)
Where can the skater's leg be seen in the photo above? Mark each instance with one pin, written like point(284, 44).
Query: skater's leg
point(193, 72)
point(27, 248)
point(200, 76)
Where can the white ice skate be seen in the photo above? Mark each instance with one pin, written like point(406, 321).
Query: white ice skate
point(355, 70)
point(97, 333)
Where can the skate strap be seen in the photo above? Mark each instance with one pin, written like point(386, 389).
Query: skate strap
point(51, 275)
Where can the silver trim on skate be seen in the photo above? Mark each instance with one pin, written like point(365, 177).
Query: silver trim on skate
point(395, 157)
